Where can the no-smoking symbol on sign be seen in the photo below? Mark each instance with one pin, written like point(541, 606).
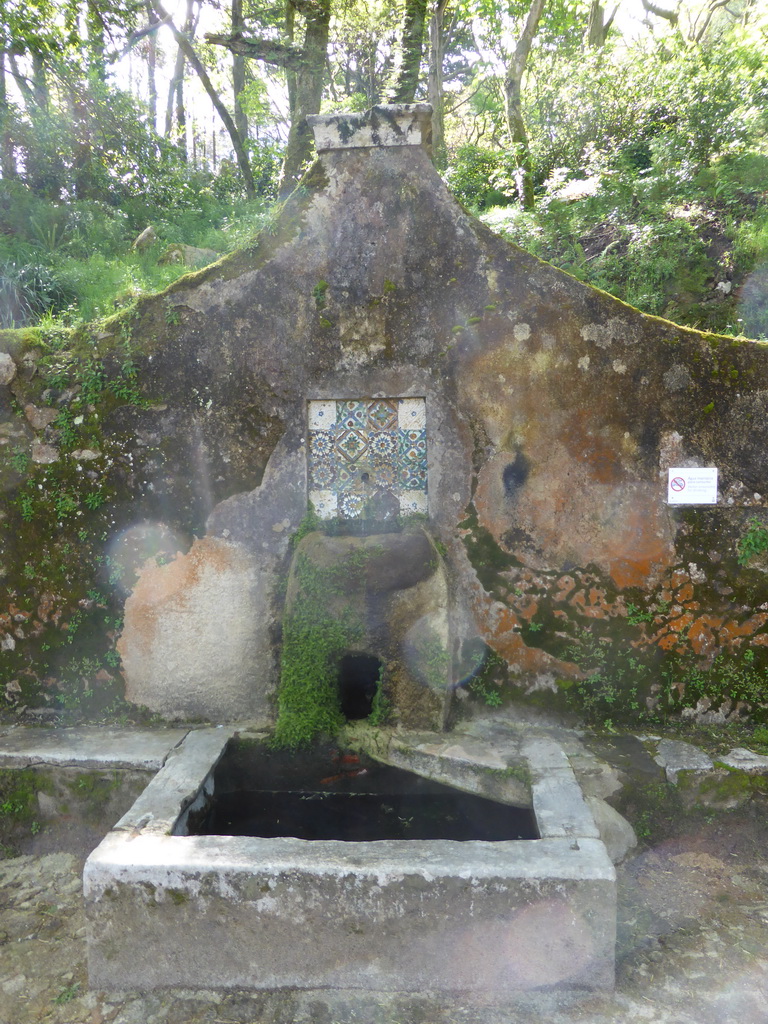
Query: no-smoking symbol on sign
point(677, 483)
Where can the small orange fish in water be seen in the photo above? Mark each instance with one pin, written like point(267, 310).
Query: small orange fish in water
point(331, 778)
point(348, 759)
point(355, 773)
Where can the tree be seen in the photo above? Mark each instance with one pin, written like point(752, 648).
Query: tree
point(597, 27)
point(435, 91)
point(411, 50)
point(513, 89)
point(189, 52)
point(307, 67)
point(238, 72)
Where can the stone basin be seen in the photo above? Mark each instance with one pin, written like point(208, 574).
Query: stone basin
point(488, 919)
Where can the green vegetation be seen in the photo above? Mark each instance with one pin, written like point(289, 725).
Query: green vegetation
point(650, 168)
point(381, 706)
point(67, 994)
point(486, 683)
point(753, 542)
point(314, 638)
point(18, 806)
point(613, 692)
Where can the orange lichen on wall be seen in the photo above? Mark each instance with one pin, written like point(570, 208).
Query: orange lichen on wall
point(500, 627)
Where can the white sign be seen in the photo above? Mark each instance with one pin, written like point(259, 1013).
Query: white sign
point(692, 486)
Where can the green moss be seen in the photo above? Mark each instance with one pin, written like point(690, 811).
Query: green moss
point(726, 787)
point(93, 791)
point(17, 340)
point(314, 638)
point(18, 794)
point(521, 772)
point(485, 554)
point(178, 896)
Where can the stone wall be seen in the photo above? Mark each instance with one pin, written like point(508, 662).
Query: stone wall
point(553, 412)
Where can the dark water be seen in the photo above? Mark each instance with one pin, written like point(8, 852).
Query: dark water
point(364, 806)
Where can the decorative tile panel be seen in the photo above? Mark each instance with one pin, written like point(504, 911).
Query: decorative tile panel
point(368, 457)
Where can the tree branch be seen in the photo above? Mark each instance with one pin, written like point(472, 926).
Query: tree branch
point(309, 8)
point(134, 37)
point(671, 16)
point(271, 51)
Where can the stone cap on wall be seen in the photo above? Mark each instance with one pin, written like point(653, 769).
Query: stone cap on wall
point(397, 124)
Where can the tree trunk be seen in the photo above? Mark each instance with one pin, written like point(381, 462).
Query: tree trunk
point(290, 74)
point(238, 73)
point(513, 88)
point(435, 84)
point(597, 27)
point(310, 77)
point(411, 48)
point(189, 53)
point(39, 82)
point(176, 86)
point(82, 163)
point(96, 46)
point(7, 161)
point(152, 71)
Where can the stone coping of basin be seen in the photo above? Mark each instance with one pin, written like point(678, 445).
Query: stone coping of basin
point(527, 771)
point(91, 747)
point(173, 910)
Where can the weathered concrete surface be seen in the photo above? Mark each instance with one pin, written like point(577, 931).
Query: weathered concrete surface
point(745, 760)
point(483, 918)
point(177, 786)
point(490, 918)
point(553, 412)
point(194, 632)
point(88, 747)
point(394, 125)
point(691, 941)
point(462, 761)
point(613, 828)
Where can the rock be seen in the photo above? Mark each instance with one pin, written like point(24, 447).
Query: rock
point(745, 760)
point(189, 255)
point(47, 805)
point(721, 790)
point(7, 368)
point(147, 238)
point(387, 561)
point(675, 756)
point(44, 454)
point(39, 418)
point(615, 831)
point(85, 454)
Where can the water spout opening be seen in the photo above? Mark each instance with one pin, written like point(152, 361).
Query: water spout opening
point(358, 681)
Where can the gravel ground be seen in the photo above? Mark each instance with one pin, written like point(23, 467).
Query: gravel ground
point(692, 949)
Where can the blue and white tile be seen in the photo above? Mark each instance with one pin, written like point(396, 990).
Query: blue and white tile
point(350, 505)
point(325, 503)
point(322, 414)
point(414, 503)
point(412, 414)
